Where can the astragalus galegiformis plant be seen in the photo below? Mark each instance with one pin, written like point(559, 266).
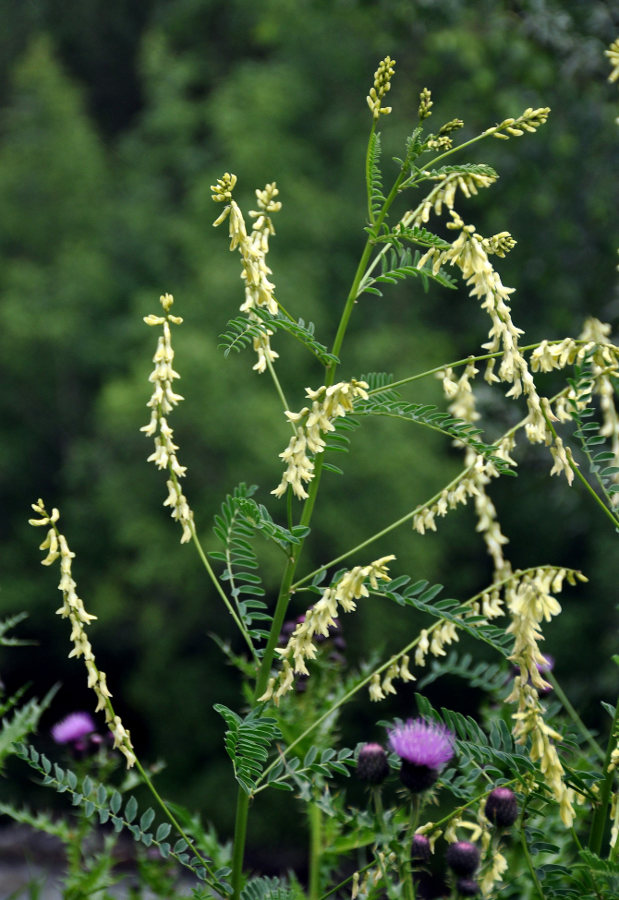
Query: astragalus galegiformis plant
point(519, 803)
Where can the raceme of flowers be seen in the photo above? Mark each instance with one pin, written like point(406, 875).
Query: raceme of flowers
point(462, 406)
point(73, 609)
point(162, 402)
point(530, 601)
point(328, 404)
point(253, 248)
point(319, 618)
point(444, 194)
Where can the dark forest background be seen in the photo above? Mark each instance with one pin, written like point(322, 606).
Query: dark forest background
point(115, 118)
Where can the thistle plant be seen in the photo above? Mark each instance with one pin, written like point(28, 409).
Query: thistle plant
point(474, 803)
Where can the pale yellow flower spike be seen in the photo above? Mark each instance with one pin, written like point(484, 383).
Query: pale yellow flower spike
point(613, 54)
point(319, 618)
point(253, 247)
point(530, 601)
point(162, 402)
point(382, 84)
point(328, 404)
point(73, 609)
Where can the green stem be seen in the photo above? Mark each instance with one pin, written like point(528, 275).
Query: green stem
point(496, 586)
point(315, 823)
point(239, 624)
point(286, 585)
point(529, 861)
point(576, 470)
point(409, 886)
point(173, 820)
point(388, 528)
point(240, 836)
point(600, 817)
point(580, 725)
point(278, 387)
point(461, 362)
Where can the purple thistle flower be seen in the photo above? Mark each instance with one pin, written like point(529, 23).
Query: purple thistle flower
point(73, 727)
point(424, 748)
point(422, 743)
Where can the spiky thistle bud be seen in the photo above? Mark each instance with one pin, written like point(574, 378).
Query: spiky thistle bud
point(420, 848)
point(501, 807)
point(462, 857)
point(372, 764)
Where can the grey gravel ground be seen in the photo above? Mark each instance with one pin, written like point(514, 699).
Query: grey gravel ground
point(31, 867)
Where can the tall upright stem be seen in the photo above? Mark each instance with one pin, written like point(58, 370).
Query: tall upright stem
point(283, 599)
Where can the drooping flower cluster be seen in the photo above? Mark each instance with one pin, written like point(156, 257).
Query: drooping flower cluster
point(382, 84)
point(530, 601)
point(470, 252)
point(253, 248)
point(444, 194)
point(462, 405)
point(73, 609)
point(162, 402)
point(456, 493)
point(328, 404)
point(319, 619)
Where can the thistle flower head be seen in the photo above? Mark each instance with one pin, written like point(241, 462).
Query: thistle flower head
point(422, 743)
point(73, 727)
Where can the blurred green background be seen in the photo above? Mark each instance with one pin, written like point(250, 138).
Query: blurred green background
point(115, 118)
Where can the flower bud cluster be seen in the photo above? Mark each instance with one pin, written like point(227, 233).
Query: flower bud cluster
point(73, 609)
point(382, 84)
point(530, 120)
point(319, 619)
point(328, 404)
point(253, 248)
point(162, 402)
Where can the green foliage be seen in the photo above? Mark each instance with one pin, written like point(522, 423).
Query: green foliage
point(111, 807)
point(22, 723)
point(266, 889)
point(242, 330)
point(248, 742)
point(384, 401)
point(7, 625)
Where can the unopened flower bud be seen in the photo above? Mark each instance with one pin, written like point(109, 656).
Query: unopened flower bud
point(372, 764)
point(420, 849)
point(501, 807)
point(462, 857)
